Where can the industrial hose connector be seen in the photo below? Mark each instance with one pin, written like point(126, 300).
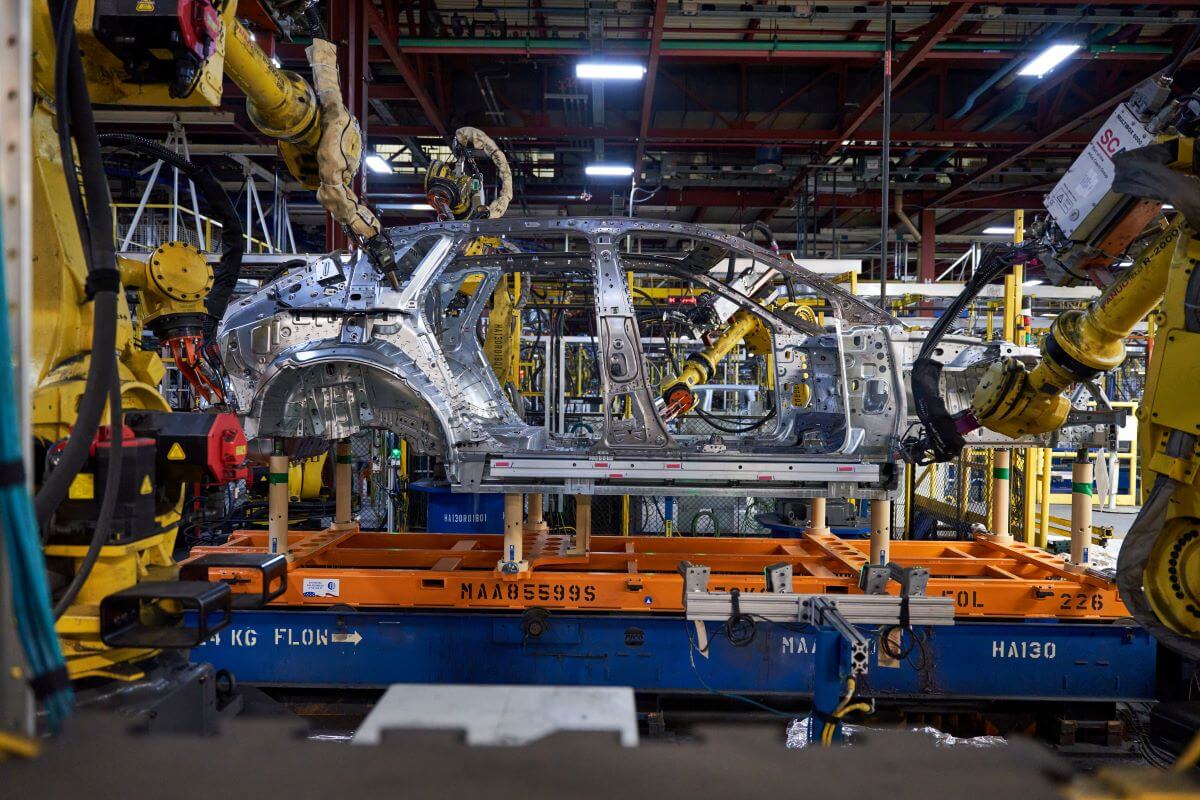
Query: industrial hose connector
point(476, 139)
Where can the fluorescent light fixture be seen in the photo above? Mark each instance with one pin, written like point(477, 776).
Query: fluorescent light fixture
point(377, 163)
point(999, 230)
point(1048, 59)
point(608, 170)
point(609, 71)
point(1034, 282)
point(1168, 207)
point(405, 207)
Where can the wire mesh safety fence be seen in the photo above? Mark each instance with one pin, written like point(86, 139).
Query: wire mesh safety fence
point(954, 499)
point(369, 457)
point(615, 515)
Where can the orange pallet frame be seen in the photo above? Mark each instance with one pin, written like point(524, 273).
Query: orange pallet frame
point(640, 573)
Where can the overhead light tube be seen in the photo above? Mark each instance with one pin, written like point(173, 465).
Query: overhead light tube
point(609, 71)
point(377, 163)
point(1048, 59)
point(608, 170)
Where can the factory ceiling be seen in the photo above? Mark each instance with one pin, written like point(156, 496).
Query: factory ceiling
point(746, 111)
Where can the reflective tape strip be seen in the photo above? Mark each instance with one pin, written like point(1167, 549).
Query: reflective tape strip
point(1081, 488)
point(1000, 472)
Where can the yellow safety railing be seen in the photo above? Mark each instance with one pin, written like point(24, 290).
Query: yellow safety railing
point(1127, 464)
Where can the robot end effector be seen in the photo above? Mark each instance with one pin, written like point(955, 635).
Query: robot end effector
point(1083, 343)
point(1017, 401)
point(454, 189)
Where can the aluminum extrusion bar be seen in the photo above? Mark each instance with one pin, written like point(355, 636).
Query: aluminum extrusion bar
point(784, 470)
point(867, 609)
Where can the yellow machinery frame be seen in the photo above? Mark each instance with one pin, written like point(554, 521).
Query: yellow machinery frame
point(280, 104)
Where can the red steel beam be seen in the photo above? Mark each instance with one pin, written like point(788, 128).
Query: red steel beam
point(946, 21)
point(935, 31)
point(656, 35)
point(947, 137)
point(378, 53)
point(697, 99)
point(387, 39)
point(926, 264)
point(774, 113)
point(391, 91)
point(751, 28)
point(1028, 189)
point(715, 197)
point(968, 221)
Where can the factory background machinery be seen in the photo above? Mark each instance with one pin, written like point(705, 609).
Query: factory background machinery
point(578, 358)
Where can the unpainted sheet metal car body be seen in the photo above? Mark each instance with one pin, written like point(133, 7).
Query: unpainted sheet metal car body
point(329, 350)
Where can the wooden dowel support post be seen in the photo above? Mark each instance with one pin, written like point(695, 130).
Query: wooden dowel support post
point(1001, 472)
point(535, 522)
point(277, 504)
point(816, 516)
point(513, 558)
point(1081, 510)
point(881, 530)
point(583, 525)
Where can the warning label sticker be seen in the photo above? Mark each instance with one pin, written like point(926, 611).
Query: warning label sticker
point(322, 587)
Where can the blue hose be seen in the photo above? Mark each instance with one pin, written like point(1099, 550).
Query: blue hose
point(27, 566)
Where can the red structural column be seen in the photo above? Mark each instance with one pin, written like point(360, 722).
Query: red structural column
point(927, 270)
point(347, 28)
point(928, 245)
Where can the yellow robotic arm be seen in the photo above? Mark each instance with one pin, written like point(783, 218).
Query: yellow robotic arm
point(700, 366)
point(1158, 570)
point(170, 56)
point(319, 139)
point(279, 102)
point(743, 326)
point(455, 187)
point(1081, 344)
